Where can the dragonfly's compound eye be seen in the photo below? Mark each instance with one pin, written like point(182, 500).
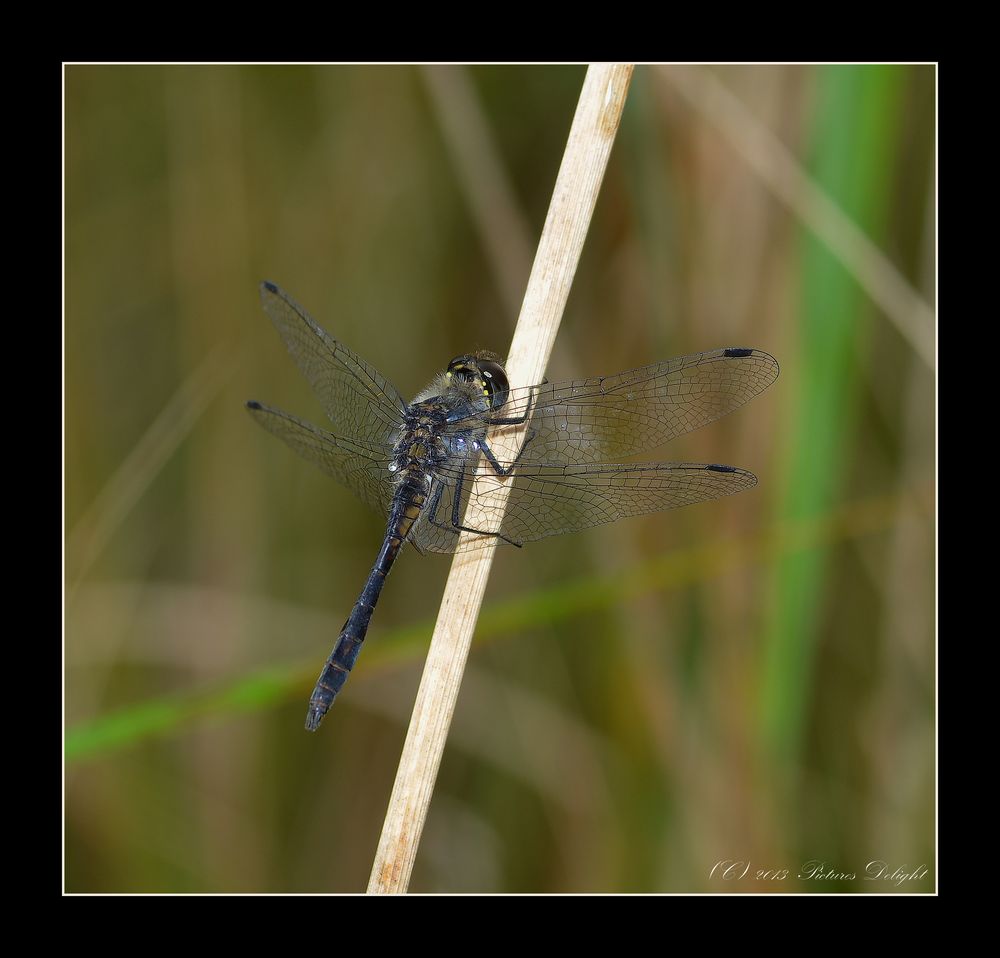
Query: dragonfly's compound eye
point(495, 382)
point(463, 368)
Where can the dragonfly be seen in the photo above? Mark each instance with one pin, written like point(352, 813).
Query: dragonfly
point(420, 464)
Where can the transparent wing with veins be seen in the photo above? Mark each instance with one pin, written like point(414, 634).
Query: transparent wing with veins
point(357, 464)
point(360, 401)
point(365, 408)
point(549, 500)
point(608, 418)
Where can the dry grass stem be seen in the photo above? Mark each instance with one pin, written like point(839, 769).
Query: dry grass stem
point(577, 185)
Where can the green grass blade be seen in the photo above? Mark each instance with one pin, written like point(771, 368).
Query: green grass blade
point(855, 134)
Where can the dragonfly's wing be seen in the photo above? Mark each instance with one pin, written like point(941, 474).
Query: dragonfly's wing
point(631, 413)
point(358, 399)
point(548, 500)
point(359, 465)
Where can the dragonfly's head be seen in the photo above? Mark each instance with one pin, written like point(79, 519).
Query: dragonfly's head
point(482, 374)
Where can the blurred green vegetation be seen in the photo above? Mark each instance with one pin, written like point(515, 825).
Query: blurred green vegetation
point(750, 680)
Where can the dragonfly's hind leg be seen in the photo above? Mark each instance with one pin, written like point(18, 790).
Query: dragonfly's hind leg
point(456, 523)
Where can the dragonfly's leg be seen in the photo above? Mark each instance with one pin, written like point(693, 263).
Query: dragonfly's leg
point(456, 520)
point(494, 462)
point(432, 508)
point(516, 420)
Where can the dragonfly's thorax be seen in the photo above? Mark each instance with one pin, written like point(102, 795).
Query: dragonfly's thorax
point(421, 447)
point(429, 439)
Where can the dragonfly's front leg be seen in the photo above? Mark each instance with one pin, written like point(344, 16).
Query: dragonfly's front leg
point(504, 471)
point(516, 420)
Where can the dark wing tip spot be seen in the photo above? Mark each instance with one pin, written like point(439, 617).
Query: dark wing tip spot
point(253, 404)
point(737, 353)
point(721, 468)
point(270, 287)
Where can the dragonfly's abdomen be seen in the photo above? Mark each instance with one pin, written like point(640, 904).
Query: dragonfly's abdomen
point(408, 502)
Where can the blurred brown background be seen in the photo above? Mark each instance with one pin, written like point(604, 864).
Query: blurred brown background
point(746, 681)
